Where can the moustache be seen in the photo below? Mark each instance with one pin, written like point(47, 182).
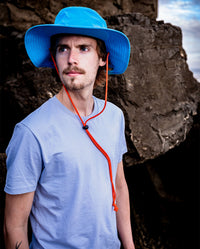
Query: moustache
point(74, 69)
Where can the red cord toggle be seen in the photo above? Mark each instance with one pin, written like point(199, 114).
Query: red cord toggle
point(85, 127)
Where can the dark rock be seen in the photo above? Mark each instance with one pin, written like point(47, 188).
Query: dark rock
point(2, 194)
point(157, 93)
point(164, 195)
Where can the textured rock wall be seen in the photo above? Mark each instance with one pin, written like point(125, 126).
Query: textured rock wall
point(157, 93)
point(25, 13)
point(2, 195)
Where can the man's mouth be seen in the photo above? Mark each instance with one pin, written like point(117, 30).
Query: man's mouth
point(72, 72)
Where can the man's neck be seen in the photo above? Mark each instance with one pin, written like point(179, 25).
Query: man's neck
point(83, 101)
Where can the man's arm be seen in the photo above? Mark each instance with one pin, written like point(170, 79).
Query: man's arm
point(123, 214)
point(17, 210)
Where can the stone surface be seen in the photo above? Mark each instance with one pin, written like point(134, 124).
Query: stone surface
point(2, 195)
point(164, 195)
point(157, 93)
point(23, 14)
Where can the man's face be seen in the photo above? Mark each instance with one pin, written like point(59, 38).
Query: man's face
point(77, 61)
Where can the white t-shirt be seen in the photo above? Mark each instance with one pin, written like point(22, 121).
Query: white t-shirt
point(51, 154)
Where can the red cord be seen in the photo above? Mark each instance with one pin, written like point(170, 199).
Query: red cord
point(110, 168)
point(89, 134)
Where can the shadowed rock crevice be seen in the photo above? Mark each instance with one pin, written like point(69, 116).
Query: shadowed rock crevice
point(164, 195)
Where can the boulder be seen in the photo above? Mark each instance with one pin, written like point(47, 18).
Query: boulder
point(158, 93)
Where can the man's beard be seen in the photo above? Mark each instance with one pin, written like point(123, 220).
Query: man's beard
point(70, 83)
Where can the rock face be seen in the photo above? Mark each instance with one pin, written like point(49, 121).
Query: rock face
point(23, 14)
point(157, 94)
point(2, 195)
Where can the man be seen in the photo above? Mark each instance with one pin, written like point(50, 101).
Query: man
point(64, 161)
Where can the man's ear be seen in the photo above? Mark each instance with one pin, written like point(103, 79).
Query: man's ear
point(102, 63)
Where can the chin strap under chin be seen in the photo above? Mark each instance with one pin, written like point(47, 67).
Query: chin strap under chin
point(85, 127)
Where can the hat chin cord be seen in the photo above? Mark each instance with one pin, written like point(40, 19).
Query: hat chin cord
point(85, 127)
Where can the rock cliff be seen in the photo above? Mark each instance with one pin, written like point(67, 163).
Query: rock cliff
point(157, 93)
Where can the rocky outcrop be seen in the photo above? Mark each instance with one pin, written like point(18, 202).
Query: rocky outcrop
point(23, 14)
point(157, 93)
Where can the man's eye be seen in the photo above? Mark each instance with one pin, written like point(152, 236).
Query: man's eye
point(62, 49)
point(84, 48)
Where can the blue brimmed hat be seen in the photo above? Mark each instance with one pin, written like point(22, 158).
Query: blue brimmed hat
point(80, 21)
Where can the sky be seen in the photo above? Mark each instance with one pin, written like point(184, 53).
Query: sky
point(186, 15)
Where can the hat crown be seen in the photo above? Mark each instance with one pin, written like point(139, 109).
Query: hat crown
point(80, 17)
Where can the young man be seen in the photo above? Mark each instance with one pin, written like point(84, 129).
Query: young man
point(64, 161)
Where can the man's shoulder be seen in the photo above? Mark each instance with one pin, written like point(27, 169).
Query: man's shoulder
point(110, 105)
point(40, 116)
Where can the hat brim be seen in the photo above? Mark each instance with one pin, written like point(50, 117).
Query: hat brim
point(37, 43)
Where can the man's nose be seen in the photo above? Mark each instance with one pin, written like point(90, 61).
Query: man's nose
point(73, 57)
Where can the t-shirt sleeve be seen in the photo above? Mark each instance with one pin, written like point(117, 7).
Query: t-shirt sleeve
point(24, 161)
point(122, 140)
